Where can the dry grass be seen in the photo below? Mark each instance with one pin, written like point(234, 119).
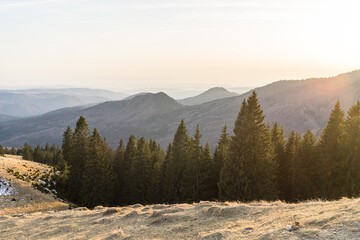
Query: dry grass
point(26, 199)
point(205, 220)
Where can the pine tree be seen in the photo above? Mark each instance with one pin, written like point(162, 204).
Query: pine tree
point(177, 162)
point(220, 154)
point(68, 145)
point(351, 146)
point(80, 151)
point(207, 177)
point(97, 179)
point(127, 177)
point(291, 154)
point(13, 151)
point(308, 181)
point(330, 153)
point(57, 157)
point(232, 176)
point(166, 186)
point(118, 170)
point(27, 152)
point(38, 154)
point(190, 181)
point(281, 164)
point(140, 172)
point(248, 172)
point(156, 185)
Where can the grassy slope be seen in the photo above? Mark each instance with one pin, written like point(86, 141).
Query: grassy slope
point(27, 198)
point(205, 220)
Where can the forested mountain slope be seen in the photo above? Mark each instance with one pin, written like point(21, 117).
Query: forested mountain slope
point(299, 105)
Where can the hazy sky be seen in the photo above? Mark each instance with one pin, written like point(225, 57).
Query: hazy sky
point(127, 44)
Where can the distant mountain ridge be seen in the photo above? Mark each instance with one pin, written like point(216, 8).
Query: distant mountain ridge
point(207, 96)
point(300, 105)
point(31, 102)
point(5, 118)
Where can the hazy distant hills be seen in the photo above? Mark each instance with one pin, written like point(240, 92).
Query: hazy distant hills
point(209, 95)
point(4, 118)
point(299, 105)
point(31, 102)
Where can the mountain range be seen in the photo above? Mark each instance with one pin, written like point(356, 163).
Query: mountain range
point(5, 118)
point(31, 102)
point(296, 104)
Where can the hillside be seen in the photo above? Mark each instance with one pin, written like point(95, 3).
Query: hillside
point(204, 220)
point(5, 118)
point(207, 96)
point(17, 195)
point(31, 102)
point(299, 105)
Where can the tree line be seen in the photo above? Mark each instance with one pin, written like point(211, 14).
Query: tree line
point(257, 162)
point(51, 155)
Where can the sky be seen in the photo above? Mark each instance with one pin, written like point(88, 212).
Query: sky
point(127, 44)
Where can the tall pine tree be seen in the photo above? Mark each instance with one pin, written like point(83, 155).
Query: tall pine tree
point(282, 166)
point(97, 178)
point(27, 152)
point(127, 177)
point(291, 154)
point(220, 154)
point(249, 172)
point(177, 161)
point(308, 181)
point(330, 153)
point(352, 151)
point(118, 169)
point(190, 181)
point(80, 151)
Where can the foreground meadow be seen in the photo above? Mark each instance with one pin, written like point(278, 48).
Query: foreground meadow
point(204, 220)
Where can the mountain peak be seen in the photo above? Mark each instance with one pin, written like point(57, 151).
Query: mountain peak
point(216, 89)
point(207, 96)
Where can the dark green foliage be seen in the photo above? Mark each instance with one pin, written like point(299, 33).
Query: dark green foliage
point(27, 152)
point(248, 171)
point(291, 177)
point(331, 155)
point(129, 158)
point(351, 145)
point(207, 175)
point(156, 177)
point(220, 154)
point(140, 170)
point(198, 181)
point(256, 163)
point(308, 181)
point(190, 180)
point(13, 151)
point(176, 163)
point(78, 157)
point(38, 154)
point(97, 178)
point(68, 144)
point(2, 151)
point(118, 163)
point(282, 165)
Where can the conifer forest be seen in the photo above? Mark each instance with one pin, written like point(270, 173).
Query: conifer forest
point(258, 161)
